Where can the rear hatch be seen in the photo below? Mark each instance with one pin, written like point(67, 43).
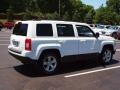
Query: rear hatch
point(17, 40)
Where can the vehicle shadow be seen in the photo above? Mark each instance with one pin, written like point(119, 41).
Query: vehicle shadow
point(33, 71)
point(84, 65)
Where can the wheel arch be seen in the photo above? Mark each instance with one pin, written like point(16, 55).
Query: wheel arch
point(110, 46)
point(46, 51)
point(47, 47)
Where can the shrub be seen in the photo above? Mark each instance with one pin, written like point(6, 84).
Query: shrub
point(10, 16)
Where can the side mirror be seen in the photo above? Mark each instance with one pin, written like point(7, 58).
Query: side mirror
point(97, 35)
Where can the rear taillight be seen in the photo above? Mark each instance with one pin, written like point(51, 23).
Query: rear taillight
point(28, 44)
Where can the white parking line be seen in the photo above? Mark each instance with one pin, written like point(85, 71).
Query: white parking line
point(118, 42)
point(4, 40)
point(118, 50)
point(89, 72)
point(4, 44)
point(4, 37)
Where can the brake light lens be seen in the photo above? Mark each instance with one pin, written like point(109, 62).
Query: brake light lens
point(28, 44)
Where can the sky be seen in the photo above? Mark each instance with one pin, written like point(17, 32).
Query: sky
point(95, 3)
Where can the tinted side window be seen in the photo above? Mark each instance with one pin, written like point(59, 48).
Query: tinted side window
point(65, 30)
point(44, 30)
point(84, 31)
point(20, 29)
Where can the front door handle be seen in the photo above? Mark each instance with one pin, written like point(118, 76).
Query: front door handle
point(61, 41)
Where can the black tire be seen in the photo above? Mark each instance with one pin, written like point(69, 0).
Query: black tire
point(106, 55)
point(49, 63)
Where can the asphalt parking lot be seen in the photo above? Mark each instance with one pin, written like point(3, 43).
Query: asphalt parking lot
point(87, 75)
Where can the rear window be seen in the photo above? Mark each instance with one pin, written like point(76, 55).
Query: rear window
point(20, 29)
point(44, 30)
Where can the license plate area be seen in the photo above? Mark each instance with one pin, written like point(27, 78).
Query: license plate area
point(15, 43)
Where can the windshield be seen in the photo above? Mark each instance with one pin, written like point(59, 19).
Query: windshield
point(20, 29)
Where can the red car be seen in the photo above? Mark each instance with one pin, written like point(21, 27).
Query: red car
point(118, 34)
point(9, 24)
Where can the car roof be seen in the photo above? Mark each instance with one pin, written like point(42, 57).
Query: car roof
point(53, 21)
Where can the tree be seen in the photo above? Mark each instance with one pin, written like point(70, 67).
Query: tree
point(27, 15)
point(69, 9)
point(114, 5)
point(105, 16)
point(48, 6)
point(66, 16)
point(4, 5)
point(32, 6)
point(118, 19)
point(10, 15)
point(18, 6)
point(90, 16)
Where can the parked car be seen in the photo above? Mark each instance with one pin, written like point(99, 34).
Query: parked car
point(112, 31)
point(1, 25)
point(48, 43)
point(100, 29)
point(118, 34)
point(9, 24)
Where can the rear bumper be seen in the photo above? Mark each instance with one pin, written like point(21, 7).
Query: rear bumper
point(24, 60)
point(22, 53)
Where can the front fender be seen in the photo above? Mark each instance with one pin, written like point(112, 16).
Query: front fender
point(104, 43)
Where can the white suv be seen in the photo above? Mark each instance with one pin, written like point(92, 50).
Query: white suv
point(47, 43)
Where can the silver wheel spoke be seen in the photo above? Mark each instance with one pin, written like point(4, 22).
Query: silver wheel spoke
point(49, 59)
point(52, 67)
point(107, 56)
point(47, 68)
point(50, 63)
point(53, 61)
point(45, 63)
point(105, 53)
